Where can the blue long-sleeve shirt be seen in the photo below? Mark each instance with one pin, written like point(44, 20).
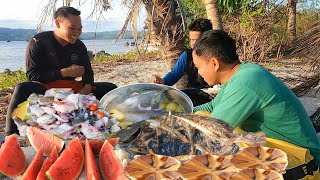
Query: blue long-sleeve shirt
point(177, 71)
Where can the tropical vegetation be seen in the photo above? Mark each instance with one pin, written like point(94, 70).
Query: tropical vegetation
point(263, 29)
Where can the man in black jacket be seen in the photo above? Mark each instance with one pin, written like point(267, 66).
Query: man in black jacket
point(54, 59)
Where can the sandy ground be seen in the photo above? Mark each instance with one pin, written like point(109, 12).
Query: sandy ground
point(122, 73)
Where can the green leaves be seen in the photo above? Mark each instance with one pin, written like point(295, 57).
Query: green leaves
point(9, 79)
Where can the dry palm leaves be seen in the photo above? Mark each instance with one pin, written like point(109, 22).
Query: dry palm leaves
point(306, 86)
point(251, 163)
point(308, 46)
point(153, 167)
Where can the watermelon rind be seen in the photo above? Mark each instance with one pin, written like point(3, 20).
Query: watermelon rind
point(2, 175)
point(39, 138)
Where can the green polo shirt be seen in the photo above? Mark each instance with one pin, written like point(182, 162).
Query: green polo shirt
point(255, 100)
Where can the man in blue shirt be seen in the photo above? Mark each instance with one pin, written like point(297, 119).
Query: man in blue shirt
point(185, 64)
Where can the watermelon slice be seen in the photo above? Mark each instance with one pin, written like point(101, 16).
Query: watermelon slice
point(92, 170)
point(12, 159)
point(110, 166)
point(96, 145)
point(47, 164)
point(47, 141)
point(69, 164)
point(34, 167)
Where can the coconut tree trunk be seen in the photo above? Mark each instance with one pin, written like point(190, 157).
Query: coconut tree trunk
point(67, 2)
point(213, 13)
point(291, 27)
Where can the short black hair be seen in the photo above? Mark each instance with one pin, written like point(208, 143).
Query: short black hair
point(218, 44)
point(201, 25)
point(64, 11)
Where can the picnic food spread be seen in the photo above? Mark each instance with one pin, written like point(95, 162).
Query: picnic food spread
point(134, 132)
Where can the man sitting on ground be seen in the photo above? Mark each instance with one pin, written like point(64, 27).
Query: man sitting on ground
point(53, 60)
point(186, 65)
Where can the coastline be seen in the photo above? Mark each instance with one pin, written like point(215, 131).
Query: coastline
point(12, 54)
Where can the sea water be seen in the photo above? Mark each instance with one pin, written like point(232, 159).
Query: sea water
point(12, 54)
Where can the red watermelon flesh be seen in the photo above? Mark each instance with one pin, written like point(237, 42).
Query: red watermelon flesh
point(96, 145)
point(110, 166)
point(13, 161)
point(39, 138)
point(47, 163)
point(34, 167)
point(69, 164)
point(92, 169)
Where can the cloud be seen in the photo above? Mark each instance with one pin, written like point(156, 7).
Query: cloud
point(113, 18)
point(18, 24)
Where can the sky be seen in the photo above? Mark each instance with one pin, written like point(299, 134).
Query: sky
point(25, 14)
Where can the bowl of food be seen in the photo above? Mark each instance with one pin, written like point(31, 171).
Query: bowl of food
point(137, 102)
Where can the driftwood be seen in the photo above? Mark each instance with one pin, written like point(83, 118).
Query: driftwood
point(306, 86)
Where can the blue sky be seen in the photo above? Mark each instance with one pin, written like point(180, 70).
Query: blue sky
point(26, 13)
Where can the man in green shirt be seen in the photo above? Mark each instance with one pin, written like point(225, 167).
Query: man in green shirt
point(251, 97)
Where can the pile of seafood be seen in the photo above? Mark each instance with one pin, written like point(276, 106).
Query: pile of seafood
point(67, 115)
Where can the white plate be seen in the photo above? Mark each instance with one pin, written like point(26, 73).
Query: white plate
point(214, 90)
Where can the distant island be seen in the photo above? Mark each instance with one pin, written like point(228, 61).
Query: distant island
point(7, 34)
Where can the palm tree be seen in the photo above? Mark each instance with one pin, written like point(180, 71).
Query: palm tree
point(291, 26)
point(165, 22)
point(213, 13)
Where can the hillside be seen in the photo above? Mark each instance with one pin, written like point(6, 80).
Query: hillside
point(26, 34)
point(16, 34)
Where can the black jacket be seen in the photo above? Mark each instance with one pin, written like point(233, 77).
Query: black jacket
point(45, 57)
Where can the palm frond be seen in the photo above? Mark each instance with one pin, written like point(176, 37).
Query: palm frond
point(308, 46)
point(132, 17)
point(47, 14)
point(99, 6)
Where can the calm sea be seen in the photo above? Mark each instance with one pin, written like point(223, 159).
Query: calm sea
point(12, 54)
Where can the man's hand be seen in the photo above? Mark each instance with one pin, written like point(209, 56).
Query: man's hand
point(86, 89)
point(72, 71)
point(158, 80)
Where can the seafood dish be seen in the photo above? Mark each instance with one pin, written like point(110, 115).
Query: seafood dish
point(67, 115)
point(184, 134)
point(138, 102)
